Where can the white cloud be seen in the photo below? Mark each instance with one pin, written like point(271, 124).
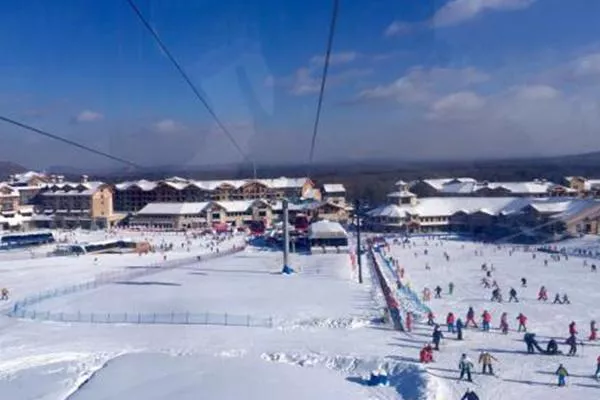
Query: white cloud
point(168, 126)
point(421, 85)
point(398, 28)
point(88, 116)
point(344, 57)
point(457, 103)
point(304, 82)
point(458, 11)
point(586, 66)
point(535, 92)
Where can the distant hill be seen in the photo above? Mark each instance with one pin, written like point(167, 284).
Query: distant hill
point(8, 168)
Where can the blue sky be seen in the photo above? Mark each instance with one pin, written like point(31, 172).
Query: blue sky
point(410, 79)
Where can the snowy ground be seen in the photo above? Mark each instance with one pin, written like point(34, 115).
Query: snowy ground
point(517, 372)
point(321, 346)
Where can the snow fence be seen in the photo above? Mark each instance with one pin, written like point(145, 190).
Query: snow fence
point(391, 302)
point(19, 308)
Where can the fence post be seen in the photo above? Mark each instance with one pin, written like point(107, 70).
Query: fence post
point(187, 317)
point(270, 322)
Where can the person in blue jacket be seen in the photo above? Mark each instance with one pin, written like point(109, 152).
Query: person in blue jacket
point(469, 395)
point(437, 336)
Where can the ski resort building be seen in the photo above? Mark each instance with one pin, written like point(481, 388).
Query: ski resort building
point(469, 187)
point(135, 195)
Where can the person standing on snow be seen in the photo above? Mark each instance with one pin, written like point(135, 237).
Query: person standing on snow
point(451, 288)
point(543, 294)
point(557, 299)
point(512, 295)
point(409, 321)
point(573, 329)
point(4, 294)
point(471, 318)
point(593, 330)
point(597, 373)
point(522, 322)
point(486, 319)
point(562, 375)
point(438, 292)
point(565, 299)
point(572, 341)
point(430, 318)
point(437, 337)
point(504, 323)
point(459, 329)
point(450, 322)
point(485, 358)
point(465, 365)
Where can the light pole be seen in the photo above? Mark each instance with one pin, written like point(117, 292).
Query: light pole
point(358, 246)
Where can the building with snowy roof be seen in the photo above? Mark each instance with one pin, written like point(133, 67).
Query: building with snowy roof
point(193, 215)
point(134, 195)
point(468, 187)
point(327, 234)
point(334, 193)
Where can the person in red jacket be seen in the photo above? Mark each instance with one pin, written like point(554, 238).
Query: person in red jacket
point(426, 354)
point(486, 318)
point(543, 294)
point(593, 330)
point(522, 322)
point(450, 322)
point(572, 329)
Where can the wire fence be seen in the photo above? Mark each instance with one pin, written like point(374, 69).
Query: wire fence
point(391, 303)
point(19, 307)
point(172, 318)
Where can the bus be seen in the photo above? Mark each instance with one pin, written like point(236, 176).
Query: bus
point(26, 239)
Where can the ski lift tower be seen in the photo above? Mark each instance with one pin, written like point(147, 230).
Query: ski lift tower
point(286, 238)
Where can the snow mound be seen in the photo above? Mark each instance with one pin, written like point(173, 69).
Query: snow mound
point(331, 323)
point(408, 380)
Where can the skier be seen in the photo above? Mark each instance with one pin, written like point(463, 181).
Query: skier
point(426, 294)
point(486, 318)
point(485, 283)
point(409, 321)
point(4, 294)
point(572, 341)
point(597, 373)
point(513, 295)
point(529, 339)
point(426, 354)
point(459, 328)
point(430, 318)
point(450, 322)
point(562, 374)
point(593, 267)
point(437, 337)
point(451, 288)
point(465, 365)
point(470, 395)
point(471, 318)
point(565, 299)
point(573, 328)
point(438, 292)
point(593, 330)
point(522, 322)
point(486, 358)
point(543, 294)
point(523, 282)
point(496, 296)
point(504, 323)
point(557, 299)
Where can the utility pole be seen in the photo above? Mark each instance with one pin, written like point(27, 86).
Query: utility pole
point(358, 247)
point(286, 235)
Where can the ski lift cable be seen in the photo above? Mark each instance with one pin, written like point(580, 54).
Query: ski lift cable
point(69, 142)
point(330, 37)
point(187, 79)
